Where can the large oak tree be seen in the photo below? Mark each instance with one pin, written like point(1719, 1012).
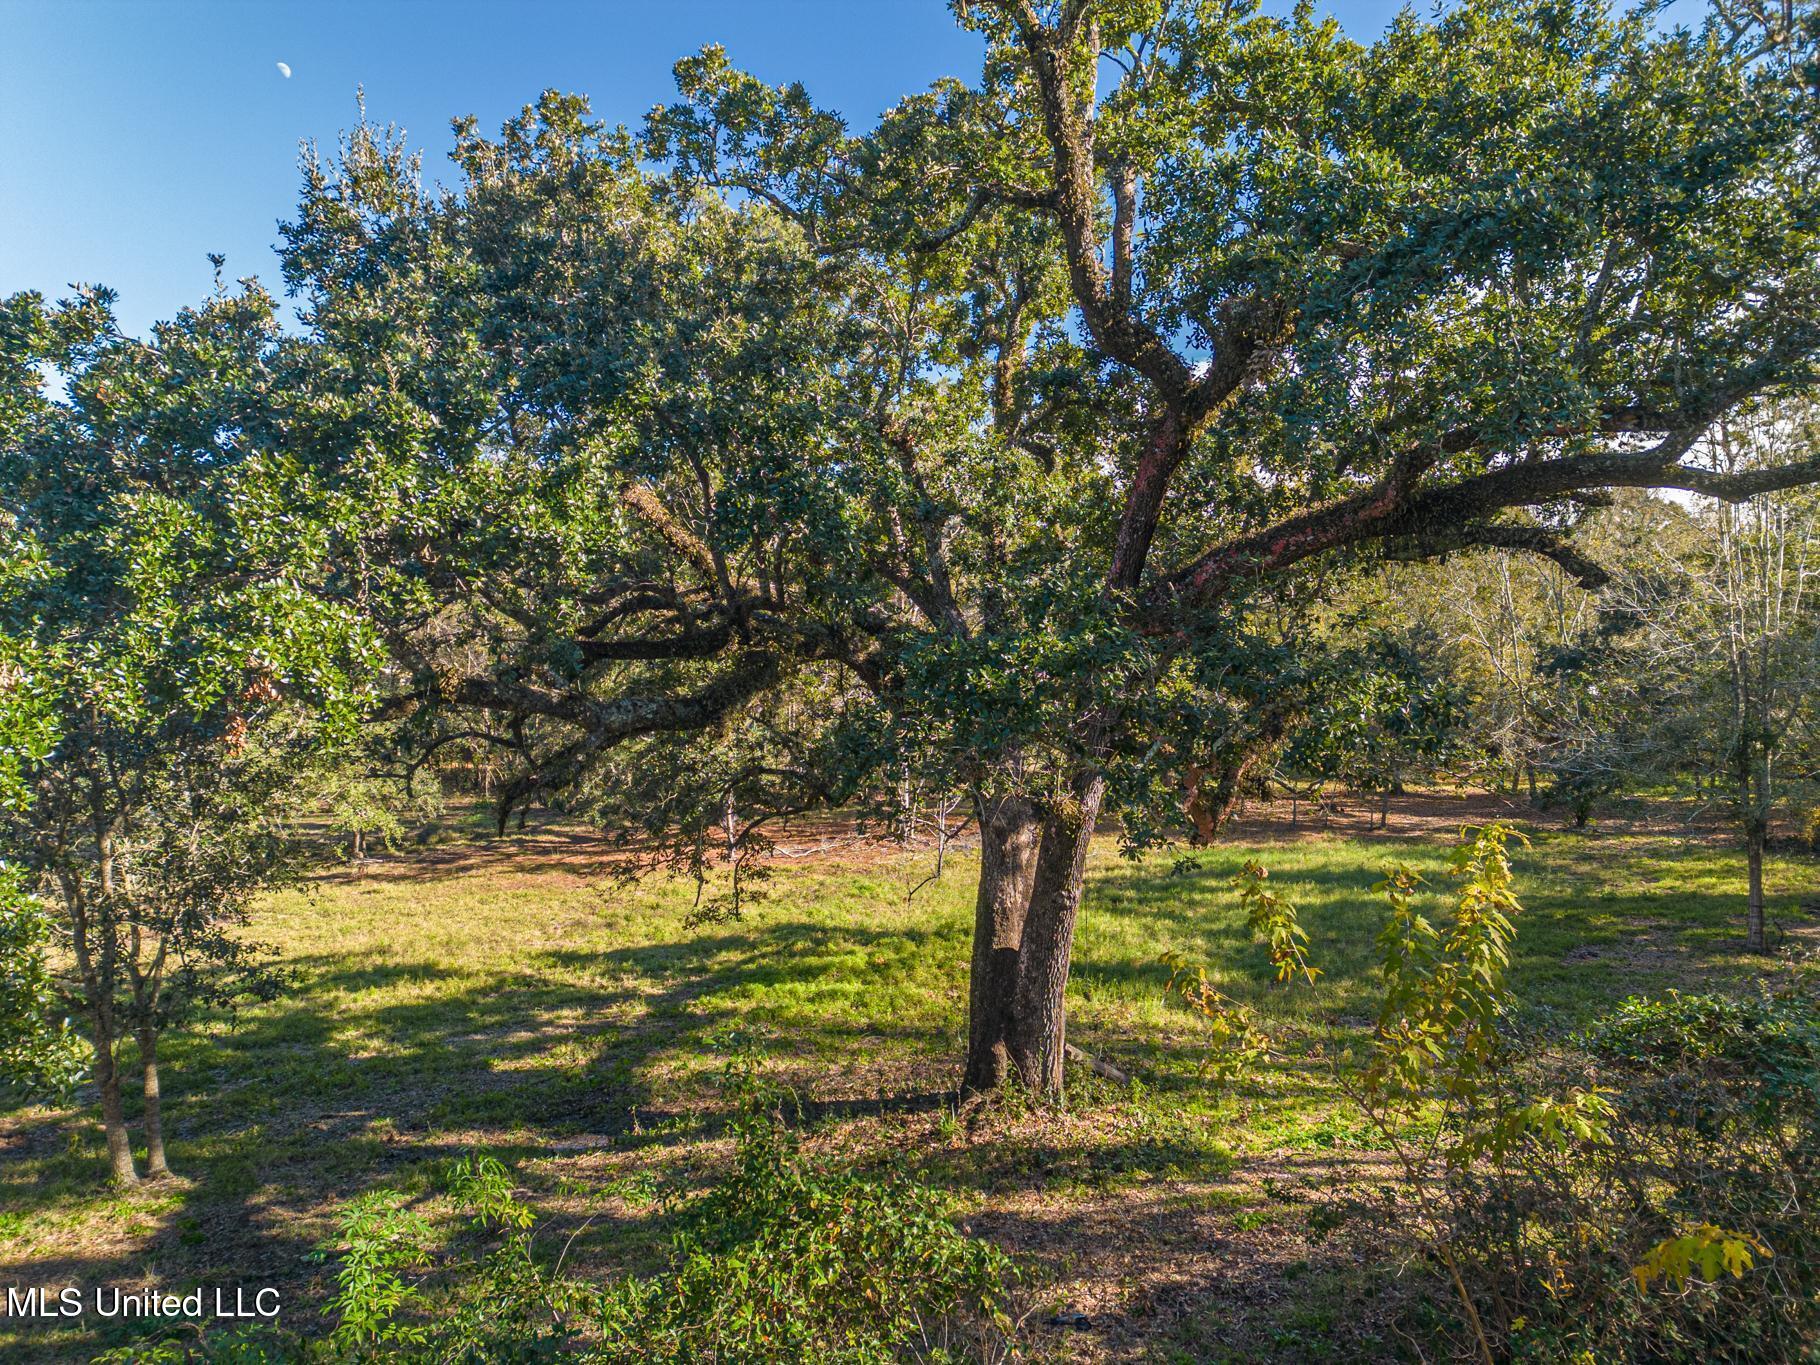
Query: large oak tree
point(1018, 433)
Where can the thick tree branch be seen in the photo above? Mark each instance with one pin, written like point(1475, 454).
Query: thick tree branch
point(1393, 507)
point(642, 503)
point(1124, 215)
point(1075, 203)
point(985, 196)
point(933, 525)
point(631, 600)
point(692, 644)
point(1536, 540)
point(1245, 332)
point(615, 719)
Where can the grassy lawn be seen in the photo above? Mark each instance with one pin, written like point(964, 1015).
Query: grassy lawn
point(509, 996)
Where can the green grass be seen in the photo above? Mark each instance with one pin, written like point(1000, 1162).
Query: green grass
point(499, 996)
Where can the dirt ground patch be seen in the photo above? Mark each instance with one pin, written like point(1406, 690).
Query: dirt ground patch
point(553, 845)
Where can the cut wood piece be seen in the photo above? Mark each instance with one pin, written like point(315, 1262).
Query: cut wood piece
point(1095, 1065)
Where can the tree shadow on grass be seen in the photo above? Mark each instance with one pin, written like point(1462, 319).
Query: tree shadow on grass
point(375, 1067)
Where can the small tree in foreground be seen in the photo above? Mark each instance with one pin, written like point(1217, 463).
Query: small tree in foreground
point(150, 612)
point(150, 851)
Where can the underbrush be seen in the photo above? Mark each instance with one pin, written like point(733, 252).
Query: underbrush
point(784, 1260)
point(1678, 1227)
point(1640, 1191)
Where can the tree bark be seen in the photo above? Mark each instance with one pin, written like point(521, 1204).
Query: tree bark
point(1009, 834)
point(113, 1110)
point(156, 1168)
point(1039, 1025)
point(1210, 809)
point(1032, 867)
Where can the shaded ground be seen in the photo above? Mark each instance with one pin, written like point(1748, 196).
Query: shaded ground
point(511, 995)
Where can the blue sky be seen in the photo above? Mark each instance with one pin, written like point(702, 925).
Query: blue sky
point(136, 136)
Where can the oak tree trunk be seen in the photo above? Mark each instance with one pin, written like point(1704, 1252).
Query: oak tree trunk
point(1038, 1033)
point(1211, 806)
point(1032, 866)
point(1009, 832)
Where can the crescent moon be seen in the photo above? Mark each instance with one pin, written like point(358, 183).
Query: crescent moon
point(284, 70)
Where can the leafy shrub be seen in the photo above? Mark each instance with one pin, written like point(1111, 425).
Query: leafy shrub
point(41, 1057)
point(1685, 1231)
point(785, 1261)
